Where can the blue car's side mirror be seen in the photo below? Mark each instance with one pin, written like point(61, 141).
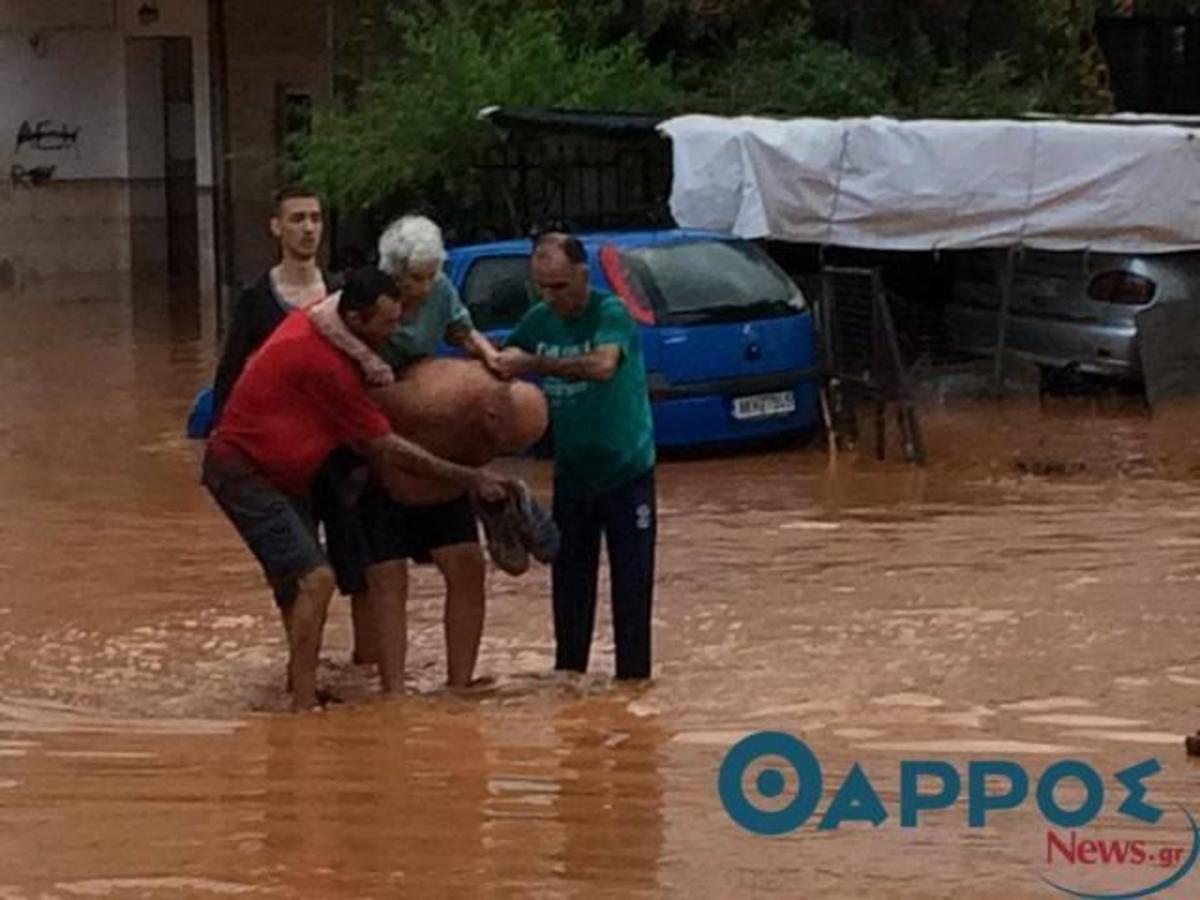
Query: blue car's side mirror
point(200, 419)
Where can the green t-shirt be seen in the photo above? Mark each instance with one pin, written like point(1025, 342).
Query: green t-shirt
point(603, 433)
point(418, 337)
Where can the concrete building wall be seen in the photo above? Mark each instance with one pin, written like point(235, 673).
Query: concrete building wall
point(81, 120)
point(57, 14)
point(82, 81)
point(62, 154)
point(271, 46)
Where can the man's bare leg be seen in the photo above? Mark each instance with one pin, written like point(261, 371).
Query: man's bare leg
point(362, 619)
point(304, 637)
point(387, 585)
point(463, 569)
point(285, 616)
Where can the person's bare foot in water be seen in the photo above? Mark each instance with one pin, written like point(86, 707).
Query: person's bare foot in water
point(325, 697)
point(480, 685)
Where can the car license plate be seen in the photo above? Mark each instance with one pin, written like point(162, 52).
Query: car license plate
point(764, 406)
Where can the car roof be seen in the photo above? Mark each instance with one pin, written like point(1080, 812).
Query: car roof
point(627, 238)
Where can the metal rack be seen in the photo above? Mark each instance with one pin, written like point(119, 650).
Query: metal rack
point(863, 359)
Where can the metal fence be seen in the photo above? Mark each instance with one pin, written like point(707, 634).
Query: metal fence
point(591, 183)
point(585, 181)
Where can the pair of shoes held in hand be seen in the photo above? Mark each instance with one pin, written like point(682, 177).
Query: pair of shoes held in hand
point(517, 528)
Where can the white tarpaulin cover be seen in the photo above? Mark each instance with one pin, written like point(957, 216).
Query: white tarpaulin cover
point(920, 185)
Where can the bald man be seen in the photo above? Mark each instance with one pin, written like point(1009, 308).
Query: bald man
point(428, 524)
point(456, 408)
point(459, 406)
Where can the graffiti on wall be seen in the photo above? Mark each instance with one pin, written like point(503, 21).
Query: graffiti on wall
point(47, 135)
point(42, 136)
point(36, 176)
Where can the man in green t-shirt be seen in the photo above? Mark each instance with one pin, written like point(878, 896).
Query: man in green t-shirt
point(588, 350)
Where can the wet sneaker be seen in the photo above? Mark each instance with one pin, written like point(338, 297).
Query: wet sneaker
point(517, 528)
point(482, 685)
point(502, 526)
point(539, 533)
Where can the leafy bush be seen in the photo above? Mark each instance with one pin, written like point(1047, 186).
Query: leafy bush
point(406, 131)
point(415, 122)
point(790, 73)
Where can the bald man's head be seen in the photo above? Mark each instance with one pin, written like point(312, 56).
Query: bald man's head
point(559, 269)
point(517, 416)
point(568, 245)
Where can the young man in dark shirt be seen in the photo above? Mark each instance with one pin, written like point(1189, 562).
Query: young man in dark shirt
point(297, 282)
point(298, 398)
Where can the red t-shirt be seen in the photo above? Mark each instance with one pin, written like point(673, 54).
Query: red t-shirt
point(297, 399)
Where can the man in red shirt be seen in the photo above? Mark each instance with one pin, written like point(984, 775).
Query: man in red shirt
point(296, 400)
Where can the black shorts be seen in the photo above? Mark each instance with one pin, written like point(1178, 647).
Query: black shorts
point(278, 528)
point(335, 494)
point(398, 531)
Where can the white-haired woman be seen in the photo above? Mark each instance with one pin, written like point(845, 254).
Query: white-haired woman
point(412, 252)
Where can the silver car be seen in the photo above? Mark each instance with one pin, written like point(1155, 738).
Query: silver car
point(1068, 310)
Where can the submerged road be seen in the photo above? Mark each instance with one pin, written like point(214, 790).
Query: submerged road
point(1033, 595)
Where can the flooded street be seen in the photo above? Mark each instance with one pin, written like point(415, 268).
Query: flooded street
point(1032, 595)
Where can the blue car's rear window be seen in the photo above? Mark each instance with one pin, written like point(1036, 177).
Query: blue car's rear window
point(497, 291)
point(709, 280)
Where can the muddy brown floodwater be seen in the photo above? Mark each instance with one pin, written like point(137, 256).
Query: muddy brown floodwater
point(1032, 595)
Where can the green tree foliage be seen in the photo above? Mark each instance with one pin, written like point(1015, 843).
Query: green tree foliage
point(789, 72)
point(414, 123)
point(975, 57)
point(415, 78)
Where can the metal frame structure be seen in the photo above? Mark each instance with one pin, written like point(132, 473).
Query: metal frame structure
point(863, 358)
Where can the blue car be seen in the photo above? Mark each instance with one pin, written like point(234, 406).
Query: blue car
point(728, 339)
point(727, 336)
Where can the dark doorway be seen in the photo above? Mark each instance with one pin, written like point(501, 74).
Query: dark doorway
point(183, 238)
point(161, 135)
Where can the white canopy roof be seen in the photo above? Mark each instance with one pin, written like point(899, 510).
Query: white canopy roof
point(920, 185)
